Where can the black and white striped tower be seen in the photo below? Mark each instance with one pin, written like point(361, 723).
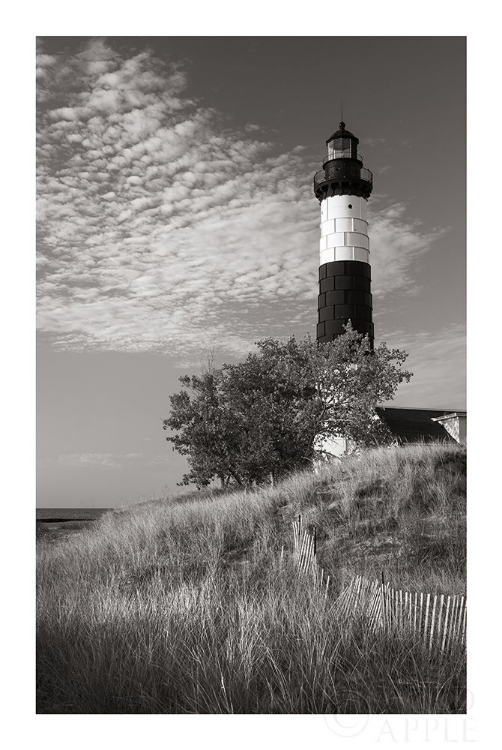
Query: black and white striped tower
point(342, 187)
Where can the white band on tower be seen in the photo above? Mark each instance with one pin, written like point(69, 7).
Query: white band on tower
point(344, 229)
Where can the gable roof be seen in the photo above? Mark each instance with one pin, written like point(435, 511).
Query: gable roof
point(415, 425)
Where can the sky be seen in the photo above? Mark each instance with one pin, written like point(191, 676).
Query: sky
point(176, 219)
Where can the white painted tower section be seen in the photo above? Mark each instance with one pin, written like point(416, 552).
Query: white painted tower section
point(344, 229)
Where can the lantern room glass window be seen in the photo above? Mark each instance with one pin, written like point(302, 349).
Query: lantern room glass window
point(340, 148)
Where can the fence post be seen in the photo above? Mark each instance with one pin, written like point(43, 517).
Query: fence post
point(419, 631)
point(310, 559)
point(445, 623)
point(451, 630)
point(344, 598)
point(375, 608)
point(303, 549)
point(459, 619)
point(358, 592)
point(440, 615)
point(426, 617)
point(383, 603)
point(464, 622)
point(295, 538)
point(432, 620)
point(308, 545)
point(457, 613)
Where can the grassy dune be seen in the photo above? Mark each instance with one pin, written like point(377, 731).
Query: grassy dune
point(183, 606)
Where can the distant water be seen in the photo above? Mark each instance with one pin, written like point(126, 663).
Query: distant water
point(56, 523)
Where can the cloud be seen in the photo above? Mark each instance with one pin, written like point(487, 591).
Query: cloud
point(396, 244)
point(162, 229)
point(102, 460)
point(372, 142)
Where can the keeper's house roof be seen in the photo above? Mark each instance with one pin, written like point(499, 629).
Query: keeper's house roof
point(415, 425)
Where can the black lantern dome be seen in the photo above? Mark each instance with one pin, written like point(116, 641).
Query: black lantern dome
point(342, 144)
point(343, 172)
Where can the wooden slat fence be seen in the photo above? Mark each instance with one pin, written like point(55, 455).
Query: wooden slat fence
point(438, 621)
point(304, 551)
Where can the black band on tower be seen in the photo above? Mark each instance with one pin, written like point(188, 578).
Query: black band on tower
point(344, 294)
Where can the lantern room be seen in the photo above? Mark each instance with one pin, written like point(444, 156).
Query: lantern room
point(342, 144)
point(342, 170)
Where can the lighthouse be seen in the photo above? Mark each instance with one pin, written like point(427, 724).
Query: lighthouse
point(343, 187)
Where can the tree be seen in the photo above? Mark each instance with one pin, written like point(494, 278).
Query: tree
point(352, 380)
point(265, 415)
point(271, 398)
point(204, 432)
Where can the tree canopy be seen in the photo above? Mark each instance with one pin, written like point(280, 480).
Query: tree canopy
point(266, 415)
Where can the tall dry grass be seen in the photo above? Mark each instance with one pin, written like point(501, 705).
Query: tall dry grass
point(187, 607)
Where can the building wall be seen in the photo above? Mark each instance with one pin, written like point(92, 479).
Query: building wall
point(457, 427)
point(334, 446)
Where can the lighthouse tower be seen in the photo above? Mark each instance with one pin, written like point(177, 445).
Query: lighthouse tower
point(342, 187)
